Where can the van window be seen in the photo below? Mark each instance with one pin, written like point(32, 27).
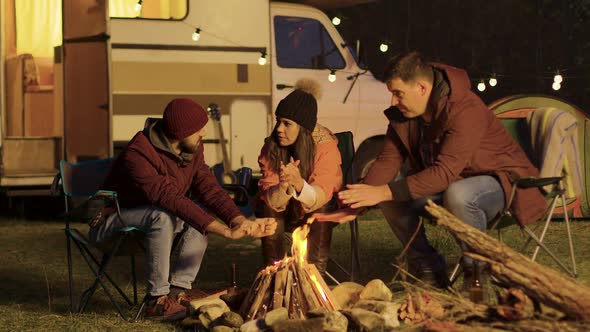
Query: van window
point(305, 43)
point(152, 9)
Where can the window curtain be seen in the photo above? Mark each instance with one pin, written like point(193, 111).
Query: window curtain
point(38, 26)
point(164, 9)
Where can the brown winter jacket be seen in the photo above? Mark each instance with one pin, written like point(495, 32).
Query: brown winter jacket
point(467, 140)
point(148, 173)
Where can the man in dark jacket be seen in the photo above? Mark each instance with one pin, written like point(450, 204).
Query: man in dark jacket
point(459, 153)
point(152, 177)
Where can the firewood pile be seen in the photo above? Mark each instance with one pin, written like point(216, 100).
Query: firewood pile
point(292, 296)
point(291, 283)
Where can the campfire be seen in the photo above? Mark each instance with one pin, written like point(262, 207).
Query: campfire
point(291, 283)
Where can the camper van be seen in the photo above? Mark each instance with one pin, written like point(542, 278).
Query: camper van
point(119, 62)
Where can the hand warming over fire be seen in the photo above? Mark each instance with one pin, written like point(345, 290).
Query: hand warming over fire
point(340, 216)
point(290, 174)
point(364, 195)
point(263, 227)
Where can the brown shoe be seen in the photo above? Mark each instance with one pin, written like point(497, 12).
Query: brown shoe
point(165, 309)
point(184, 298)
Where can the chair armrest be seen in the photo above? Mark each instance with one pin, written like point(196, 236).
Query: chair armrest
point(533, 182)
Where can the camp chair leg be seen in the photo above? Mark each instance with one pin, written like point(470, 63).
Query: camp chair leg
point(545, 227)
point(542, 245)
point(332, 277)
point(134, 279)
point(569, 237)
point(70, 272)
point(455, 274)
point(141, 309)
point(355, 261)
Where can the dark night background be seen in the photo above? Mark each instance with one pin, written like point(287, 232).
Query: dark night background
point(523, 41)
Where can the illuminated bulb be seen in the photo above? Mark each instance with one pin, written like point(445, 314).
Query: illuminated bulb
point(336, 20)
point(332, 76)
point(383, 47)
point(262, 59)
point(197, 34)
point(481, 86)
point(137, 6)
point(493, 81)
point(558, 79)
point(556, 86)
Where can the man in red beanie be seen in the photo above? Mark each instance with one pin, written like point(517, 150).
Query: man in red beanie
point(153, 176)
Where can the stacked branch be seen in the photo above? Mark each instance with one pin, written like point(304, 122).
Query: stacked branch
point(539, 282)
point(297, 286)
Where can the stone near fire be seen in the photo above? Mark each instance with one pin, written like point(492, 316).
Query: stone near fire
point(253, 326)
point(210, 312)
point(387, 310)
point(277, 315)
point(334, 321)
point(347, 294)
point(222, 328)
point(367, 320)
point(376, 290)
point(300, 325)
point(230, 319)
point(196, 304)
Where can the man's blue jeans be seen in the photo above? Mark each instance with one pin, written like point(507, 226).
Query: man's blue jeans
point(476, 201)
point(160, 229)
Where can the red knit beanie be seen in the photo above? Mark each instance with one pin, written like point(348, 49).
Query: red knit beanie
point(183, 117)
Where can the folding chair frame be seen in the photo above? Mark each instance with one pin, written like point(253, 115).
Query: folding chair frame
point(83, 244)
point(558, 192)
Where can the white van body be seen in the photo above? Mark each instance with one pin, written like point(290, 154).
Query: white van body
point(110, 74)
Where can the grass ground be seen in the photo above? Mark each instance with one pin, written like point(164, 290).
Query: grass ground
point(33, 270)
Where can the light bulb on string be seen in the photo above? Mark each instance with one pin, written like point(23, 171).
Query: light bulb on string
point(493, 81)
point(336, 20)
point(556, 86)
point(557, 78)
point(332, 76)
point(137, 6)
point(262, 59)
point(383, 47)
point(481, 86)
point(197, 34)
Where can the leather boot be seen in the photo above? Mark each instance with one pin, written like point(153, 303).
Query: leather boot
point(273, 247)
point(318, 245)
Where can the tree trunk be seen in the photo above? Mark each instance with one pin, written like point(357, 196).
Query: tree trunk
point(539, 282)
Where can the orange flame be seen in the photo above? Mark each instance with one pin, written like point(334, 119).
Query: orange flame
point(299, 247)
point(317, 285)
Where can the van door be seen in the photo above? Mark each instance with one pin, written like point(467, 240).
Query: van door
point(305, 47)
point(86, 87)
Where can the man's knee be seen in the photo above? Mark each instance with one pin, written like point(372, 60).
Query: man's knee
point(456, 197)
point(161, 219)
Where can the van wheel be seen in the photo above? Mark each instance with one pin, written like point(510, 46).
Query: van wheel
point(365, 157)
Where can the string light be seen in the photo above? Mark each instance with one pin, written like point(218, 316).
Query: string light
point(197, 34)
point(332, 76)
point(383, 47)
point(556, 86)
point(557, 78)
point(493, 81)
point(137, 6)
point(262, 59)
point(481, 86)
point(336, 20)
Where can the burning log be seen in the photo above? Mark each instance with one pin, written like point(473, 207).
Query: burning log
point(290, 283)
point(537, 281)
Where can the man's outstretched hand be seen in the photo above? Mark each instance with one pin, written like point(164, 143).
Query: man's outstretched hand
point(263, 227)
point(340, 216)
point(364, 195)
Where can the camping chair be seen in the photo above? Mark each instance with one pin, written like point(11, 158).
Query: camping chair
point(519, 129)
point(81, 181)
